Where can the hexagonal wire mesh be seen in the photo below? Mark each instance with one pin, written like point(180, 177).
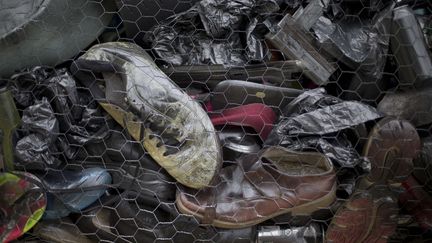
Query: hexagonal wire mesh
point(215, 121)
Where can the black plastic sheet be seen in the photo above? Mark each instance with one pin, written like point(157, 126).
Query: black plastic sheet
point(214, 32)
point(365, 9)
point(33, 151)
point(41, 124)
point(40, 118)
point(329, 119)
point(360, 43)
point(309, 101)
point(336, 149)
point(357, 41)
point(58, 117)
point(311, 116)
point(292, 3)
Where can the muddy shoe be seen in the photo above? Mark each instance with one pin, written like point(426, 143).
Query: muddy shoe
point(391, 147)
point(173, 128)
point(276, 181)
point(369, 216)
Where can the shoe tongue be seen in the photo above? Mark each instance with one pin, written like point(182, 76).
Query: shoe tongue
point(115, 89)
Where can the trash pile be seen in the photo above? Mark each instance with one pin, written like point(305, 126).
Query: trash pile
point(216, 121)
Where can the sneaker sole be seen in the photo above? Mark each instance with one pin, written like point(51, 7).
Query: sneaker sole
point(363, 220)
point(389, 138)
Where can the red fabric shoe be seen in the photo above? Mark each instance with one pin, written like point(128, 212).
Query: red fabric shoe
point(257, 116)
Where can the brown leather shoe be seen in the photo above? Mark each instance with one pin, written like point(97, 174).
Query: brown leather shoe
point(273, 182)
point(392, 145)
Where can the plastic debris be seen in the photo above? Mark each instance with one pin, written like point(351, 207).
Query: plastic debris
point(58, 118)
point(314, 114)
point(212, 32)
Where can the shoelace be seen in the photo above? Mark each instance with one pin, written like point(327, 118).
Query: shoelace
point(86, 71)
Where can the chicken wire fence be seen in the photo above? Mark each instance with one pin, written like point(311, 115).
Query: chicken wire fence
point(215, 121)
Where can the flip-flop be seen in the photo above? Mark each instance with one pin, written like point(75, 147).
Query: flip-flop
point(22, 204)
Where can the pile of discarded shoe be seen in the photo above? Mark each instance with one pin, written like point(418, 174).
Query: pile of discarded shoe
point(216, 121)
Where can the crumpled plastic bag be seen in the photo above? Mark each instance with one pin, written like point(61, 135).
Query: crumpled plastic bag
point(365, 9)
point(335, 149)
point(329, 119)
point(214, 32)
point(38, 120)
point(33, 151)
point(58, 118)
point(362, 45)
point(317, 121)
point(350, 37)
point(309, 101)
